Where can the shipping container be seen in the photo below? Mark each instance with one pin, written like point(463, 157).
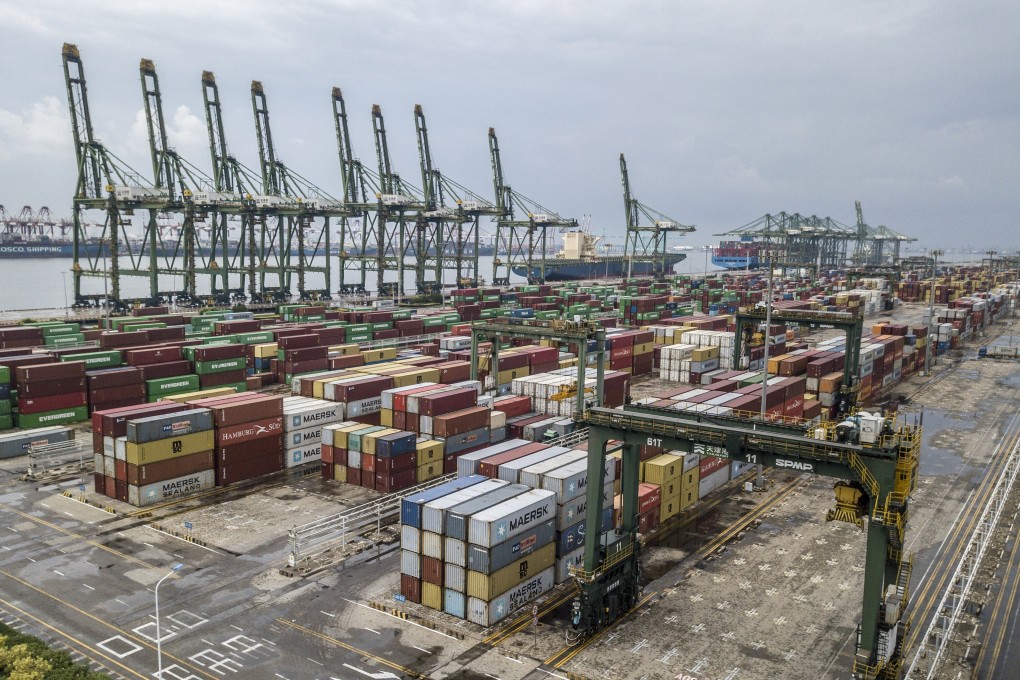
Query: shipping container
point(170, 489)
point(457, 516)
point(17, 443)
point(454, 577)
point(454, 603)
point(532, 476)
point(511, 470)
point(571, 481)
point(151, 428)
point(488, 560)
point(411, 506)
point(162, 449)
point(504, 521)
point(488, 613)
point(141, 475)
point(434, 512)
point(488, 586)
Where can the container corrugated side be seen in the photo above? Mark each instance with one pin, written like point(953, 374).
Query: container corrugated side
point(572, 510)
point(433, 514)
point(713, 481)
point(488, 586)
point(410, 538)
point(488, 613)
point(171, 489)
point(574, 558)
point(454, 603)
point(148, 429)
point(504, 521)
point(432, 545)
point(467, 464)
point(410, 506)
point(571, 481)
point(454, 577)
point(410, 563)
point(511, 471)
point(457, 517)
point(572, 537)
point(432, 596)
point(455, 551)
point(488, 560)
point(532, 476)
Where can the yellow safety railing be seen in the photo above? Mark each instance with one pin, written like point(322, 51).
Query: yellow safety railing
point(579, 572)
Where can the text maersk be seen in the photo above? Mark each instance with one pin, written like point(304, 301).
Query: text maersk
point(525, 592)
point(182, 486)
point(305, 418)
point(529, 517)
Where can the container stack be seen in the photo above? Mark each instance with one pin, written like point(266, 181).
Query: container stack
point(248, 435)
point(111, 388)
point(554, 392)
point(13, 444)
point(220, 366)
point(6, 417)
point(303, 420)
point(169, 456)
point(51, 394)
point(372, 456)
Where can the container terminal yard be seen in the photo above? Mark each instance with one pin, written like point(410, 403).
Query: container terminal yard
point(402, 471)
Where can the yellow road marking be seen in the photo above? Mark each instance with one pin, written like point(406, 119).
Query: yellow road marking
point(348, 647)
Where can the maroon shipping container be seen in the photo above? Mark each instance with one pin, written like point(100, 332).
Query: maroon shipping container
point(113, 377)
point(367, 479)
point(110, 485)
point(99, 482)
point(215, 352)
point(139, 475)
point(459, 422)
point(255, 448)
point(410, 588)
point(120, 469)
point(447, 402)
point(156, 355)
point(21, 333)
point(431, 570)
point(305, 354)
point(362, 389)
point(347, 361)
point(389, 466)
point(297, 367)
point(326, 470)
point(113, 423)
point(122, 490)
point(354, 476)
point(333, 335)
point(398, 481)
point(368, 462)
point(246, 432)
point(255, 467)
point(293, 342)
point(168, 370)
point(516, 427)
point(114, 340)
point(242, 408)
point(176, 332)
point(490, 466)
point(54, 403)
point(50, 372)
point(49, 388)
point(121, 393)
point(648, 521)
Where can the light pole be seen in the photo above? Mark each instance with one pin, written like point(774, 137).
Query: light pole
point(759, 478)
point(929, 354)
point(66, 312)
point(159, 636)
point(707, 249)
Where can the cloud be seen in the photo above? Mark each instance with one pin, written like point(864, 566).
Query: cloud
point(40, 130)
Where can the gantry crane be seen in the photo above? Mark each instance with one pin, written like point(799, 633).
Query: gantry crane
point(877, 467)
point(448, 227)
point(289, 208)
point(108, 185)
point(519, 240)
point(358, 224)
point(648, 242)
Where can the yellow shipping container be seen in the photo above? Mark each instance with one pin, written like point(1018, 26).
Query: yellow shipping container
point(568, 363)
point(415, 377)
point(774, 363)
point(340, 473)
point(266, 350)
point(429, 471)
point(385, 354)
point(187, 397)
point(340, 435)
point(431, 595)
point(508, 375)
point(661, 469)
point(165, 449)
point(670, 488)
point(669, 507)
point(705, 354)
point(368, 441)
point(429, 450)
point(319, 386)
point(386, 417)
point(689, 480)
point(487, 586)
point(344, 350)
point(644, 348)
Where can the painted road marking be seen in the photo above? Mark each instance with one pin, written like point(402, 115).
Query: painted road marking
point(427, 651)
point(332, 616)
point(373, 631)
point(239, 630)
point(244, 644)
point(164, 634)
point(57, 573)
point(30, 559)
point(315, 662)
point(190, 620)
point(385, 675)
point(124, 646)
point(88, 586)
point(175, 673)
point(214, 661)
point(512, 659)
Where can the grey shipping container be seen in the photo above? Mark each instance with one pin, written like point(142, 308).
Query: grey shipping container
point(468, 463)
point(457, 516)
point(410, 506)
point(16, 443)
point(455, 551)
point(571, 481)
point(532, 476)
point(535, 431)
point(511, 470)
point(433, 514)
point(713, 481)
point(170, 489)
point(168, 425)
point(504, 521)
point(410, 538)
point(465, 441)
point(572, 510)
point(488, 560)
point(454, 603)
point(487, 613)
point(410, 563)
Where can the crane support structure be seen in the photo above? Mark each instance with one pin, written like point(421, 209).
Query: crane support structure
point(647, 242)
point(851, 324)
point(556, 330)
point(884, 471)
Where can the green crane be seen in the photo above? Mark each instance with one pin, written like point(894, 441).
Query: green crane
point(647, 242)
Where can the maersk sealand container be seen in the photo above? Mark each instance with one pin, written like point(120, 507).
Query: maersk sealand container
point(512, 517)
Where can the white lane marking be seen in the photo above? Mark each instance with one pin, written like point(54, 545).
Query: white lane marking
point(117, 599)
point(148, 544)
point(45, 505)
point(57, 572)
point(30, 559)
point(494, 677)
point(88, 586)
point(6, 548)
point(68, 514)
point(421, 650)
point(514, 660)
point(197, 545)
point(403, 622)
point(268, 641)
point(373, 631)
point(555, 675)
point(376, 676)
point(239, 630)
point(13, 529)
point(332, 616)
point(280, 676)
point(210, 644)
point(315, 662)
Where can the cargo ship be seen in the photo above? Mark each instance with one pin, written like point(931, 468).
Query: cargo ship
point(742, 254)
point(582, 259)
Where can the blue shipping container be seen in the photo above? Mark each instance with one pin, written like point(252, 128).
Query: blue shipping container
point(572, 538)
point(410, 507)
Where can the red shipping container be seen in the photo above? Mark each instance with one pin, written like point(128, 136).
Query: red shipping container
point(113, 422)
point(254, 467)
point(306, 353)
point(225, 378)
point(370, 386)
point(649, 497)
point(255, 448)
point(432, 570)
point(490, 466)
point(396, 481)
point(327, 453)
point(56, 402)
point(51, 388)
point(120, 469)
point(156, 355)
point(368, 462)
point(513, 406)
point(326, 470)
point(395, 464)
point(348, 361)
point(459, 422)
point(648, 521)
point(447, 402)
point(113, 377)
point(245, 432)
point(298, 341)
point(110, 486)
point(242, 408)
point(710, 464)
point(47, 371)
point(367, 479)
point(215, 352)
point(410, 588)
point(354, 476)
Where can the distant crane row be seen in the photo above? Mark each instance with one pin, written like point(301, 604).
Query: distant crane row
point(259, 235)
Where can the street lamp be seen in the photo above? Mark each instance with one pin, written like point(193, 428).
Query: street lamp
point(159, 636)
point(929, 355)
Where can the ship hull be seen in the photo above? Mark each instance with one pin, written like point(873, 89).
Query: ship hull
point(19, 251)
point(736, 262)
point(601, 268)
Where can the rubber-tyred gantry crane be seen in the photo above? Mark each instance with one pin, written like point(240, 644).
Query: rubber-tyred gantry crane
point(877, 470)
point(647, 242)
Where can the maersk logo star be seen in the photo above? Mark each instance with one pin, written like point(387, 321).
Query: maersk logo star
point(501, 529)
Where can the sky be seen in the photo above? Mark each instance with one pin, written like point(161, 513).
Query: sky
point(726, 110)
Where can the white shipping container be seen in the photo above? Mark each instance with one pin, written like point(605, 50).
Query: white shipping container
point(120, 448)
point(571, 481)
point(487, 613)
point(570, 512)
point(171, 489)
point(454, 577)
point(410, 563)
point(532, 476)
point(503, 521)
point(362, 407)
point(467, 464)
point(432, 545)
point(410, 538)
point(300, 456)
point(511, 471)
point(433, 515)
point(354, 459)
point(301, 415)
point(455, 551)
point(563, 564)
point(713, 481)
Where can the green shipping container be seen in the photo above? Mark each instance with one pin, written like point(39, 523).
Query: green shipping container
point(401, 314)
point(6, 422)
point(5, 375)
point(5, 407)
point(359, 328)
point(63, 416)
point(110, 359)
point(382, 326)
point(358, 337)
point(64, 340)
point(177, 384)
point(219, 366)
